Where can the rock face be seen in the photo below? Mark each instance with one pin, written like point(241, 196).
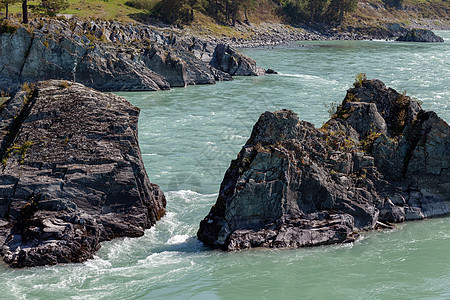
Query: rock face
point(380, 159)
point(110, 56)
point(232, 62)
point(420, 35)
point(71, 174)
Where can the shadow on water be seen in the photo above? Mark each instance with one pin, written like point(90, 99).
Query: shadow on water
point(190, 245)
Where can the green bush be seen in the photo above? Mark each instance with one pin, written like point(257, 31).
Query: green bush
point(140, 4)
point(50, 7)
point(359, 80)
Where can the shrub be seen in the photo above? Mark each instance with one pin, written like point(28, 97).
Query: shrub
point(140, 4)
point(359, 80)
point(331, 108)
point(3, 99)
point(400, 107)
point(6, 26)
point(367, 142)
point(50, 7)
point(64, 84)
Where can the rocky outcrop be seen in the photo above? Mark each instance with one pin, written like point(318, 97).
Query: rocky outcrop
point(71, 174)
point(420, 35)
point(380, 159)
point(109, 56)
point(228, 60)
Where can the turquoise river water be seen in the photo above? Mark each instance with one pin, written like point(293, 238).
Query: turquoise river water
point(188, 138)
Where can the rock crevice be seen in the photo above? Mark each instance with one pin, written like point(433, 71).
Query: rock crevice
point(72, 174)
point(380, 159)
point(110, 56)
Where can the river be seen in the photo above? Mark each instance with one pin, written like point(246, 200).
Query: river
point(188, 138)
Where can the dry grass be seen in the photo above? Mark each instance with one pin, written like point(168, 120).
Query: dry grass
point(264, 11)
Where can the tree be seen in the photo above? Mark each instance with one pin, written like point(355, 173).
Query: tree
point(25, 11)
point(316, 8)
point(393, 3)
point(6, 4)
point(236, 6)
point(174, 11)
point(338, 8)
point(50, 7)
point(246, 6)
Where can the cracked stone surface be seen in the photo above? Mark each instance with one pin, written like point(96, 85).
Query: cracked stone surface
point(71, 174)
point(380, 159)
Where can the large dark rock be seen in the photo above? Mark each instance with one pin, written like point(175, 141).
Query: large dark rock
point(420, 35)
point(71, 174)
point(379, 159)
point(230, 61)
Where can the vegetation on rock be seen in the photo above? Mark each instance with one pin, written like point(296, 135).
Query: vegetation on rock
point(293, 185)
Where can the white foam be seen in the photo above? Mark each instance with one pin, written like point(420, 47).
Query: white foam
point(309, 77)
point(178, 239)
point(161, 258)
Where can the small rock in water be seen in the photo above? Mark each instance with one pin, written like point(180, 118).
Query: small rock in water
point(271, 71)
point(420, 35)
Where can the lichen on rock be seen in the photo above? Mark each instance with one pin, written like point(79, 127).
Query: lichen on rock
point(380, 159)
point(111, 56)
point(71, 176)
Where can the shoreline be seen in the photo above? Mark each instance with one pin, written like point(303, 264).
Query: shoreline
point(116, 56)
point(278, 34)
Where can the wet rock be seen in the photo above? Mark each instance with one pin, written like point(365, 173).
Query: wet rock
point(381, 158)
point(420, 35)
point(71, 174)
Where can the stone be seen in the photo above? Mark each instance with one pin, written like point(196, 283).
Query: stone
point(420, 35)
point(228, 60)
point(71, 174)
point(110, 56)
point(381, 158)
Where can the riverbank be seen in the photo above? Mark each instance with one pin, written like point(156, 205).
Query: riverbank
point(113, 56)
point(273, 34)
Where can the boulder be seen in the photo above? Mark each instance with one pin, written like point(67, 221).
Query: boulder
point(381, 158)
point(228, 60)
point(71, 174)
point(420, 35)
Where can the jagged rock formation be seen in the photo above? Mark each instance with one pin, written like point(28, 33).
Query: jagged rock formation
point(71, 174)
point(420, 35)
point(234, 63)
point(380, 159)
point(110, 56)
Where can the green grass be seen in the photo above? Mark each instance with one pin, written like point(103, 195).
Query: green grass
point(95, 9)
point(263, 11)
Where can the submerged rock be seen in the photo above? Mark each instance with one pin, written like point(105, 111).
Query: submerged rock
point(71, 174)
point(381, 158)
point(420, 35)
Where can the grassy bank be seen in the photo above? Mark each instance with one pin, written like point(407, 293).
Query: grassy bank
point(416, 13)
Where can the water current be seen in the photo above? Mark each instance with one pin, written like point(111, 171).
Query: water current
point(188, 136)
